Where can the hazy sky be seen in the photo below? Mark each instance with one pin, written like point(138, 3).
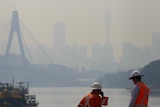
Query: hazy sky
point(131, 20)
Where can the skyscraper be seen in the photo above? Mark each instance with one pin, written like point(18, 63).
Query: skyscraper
point(59, 43)
point(108, 19)
point(155, 45)
point(59, 36)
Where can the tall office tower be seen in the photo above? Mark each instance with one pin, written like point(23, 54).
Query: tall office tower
point(134, 57)
point(108, 19)
point(155, 45)
point(59, 43)
point(15, 28)
point(59, 36)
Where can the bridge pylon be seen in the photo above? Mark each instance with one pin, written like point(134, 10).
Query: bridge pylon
point(15, 28)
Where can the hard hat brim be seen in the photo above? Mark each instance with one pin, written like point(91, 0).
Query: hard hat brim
point(135, 76)
point(95, 89)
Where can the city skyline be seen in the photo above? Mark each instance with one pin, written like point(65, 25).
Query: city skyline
point(76, 56)
point(85, 20)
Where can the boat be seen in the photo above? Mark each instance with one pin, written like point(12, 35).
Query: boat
point(17, 95)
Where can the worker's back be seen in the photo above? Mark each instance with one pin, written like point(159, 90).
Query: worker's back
point(95, 98)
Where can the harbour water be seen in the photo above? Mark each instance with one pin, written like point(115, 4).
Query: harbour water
point(70, 96)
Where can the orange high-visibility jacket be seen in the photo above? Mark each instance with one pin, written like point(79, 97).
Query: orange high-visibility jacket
point(93, 100)
point(142, 98)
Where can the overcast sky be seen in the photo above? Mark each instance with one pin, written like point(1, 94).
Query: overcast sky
point(131, 20)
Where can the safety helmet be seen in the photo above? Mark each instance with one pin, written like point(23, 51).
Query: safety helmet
point(96, 86)
point(135, 73)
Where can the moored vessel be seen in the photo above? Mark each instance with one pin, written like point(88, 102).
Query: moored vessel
point(16, 96)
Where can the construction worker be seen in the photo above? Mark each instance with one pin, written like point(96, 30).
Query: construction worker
point(140, 92)
point(95, 98)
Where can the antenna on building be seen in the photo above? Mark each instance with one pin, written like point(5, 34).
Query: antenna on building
point(15, 5)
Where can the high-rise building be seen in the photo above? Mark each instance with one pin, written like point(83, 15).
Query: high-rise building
point(59, 42)
point(107, 19)
point(135, 57)
point(59, 36)
point(63, 54)
point(155, 45)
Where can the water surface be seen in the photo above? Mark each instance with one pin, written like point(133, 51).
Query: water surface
point(70, 96)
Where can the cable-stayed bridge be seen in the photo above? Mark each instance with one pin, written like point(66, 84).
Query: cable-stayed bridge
point(16, 60)
point(18, 43)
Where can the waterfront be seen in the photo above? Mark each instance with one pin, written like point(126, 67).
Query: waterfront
point(70, 96)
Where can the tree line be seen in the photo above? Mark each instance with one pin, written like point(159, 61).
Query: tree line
point(151, 77)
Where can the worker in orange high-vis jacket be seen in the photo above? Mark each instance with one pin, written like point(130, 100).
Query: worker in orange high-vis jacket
point(95, 98)
point(140, 92)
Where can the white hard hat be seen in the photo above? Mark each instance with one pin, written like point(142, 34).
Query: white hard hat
point(135, 73)
point(96, 86)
